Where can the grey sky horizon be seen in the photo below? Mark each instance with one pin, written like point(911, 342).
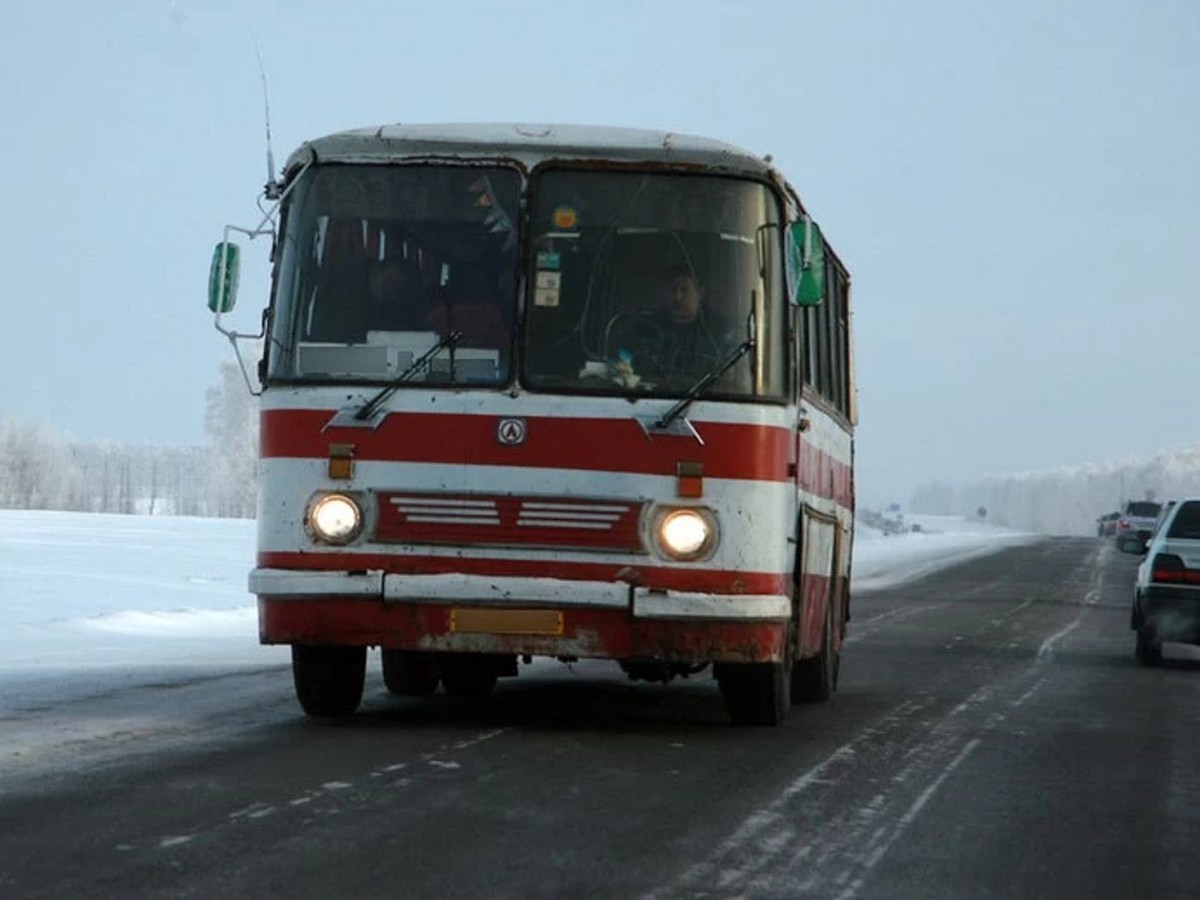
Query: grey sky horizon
point(1013, 186)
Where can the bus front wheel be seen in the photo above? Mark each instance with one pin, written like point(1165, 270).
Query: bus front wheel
point(755, 693)
point(329, 680)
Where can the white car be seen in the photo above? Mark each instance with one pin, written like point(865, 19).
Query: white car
point(1135, 524)
point(1166, 597)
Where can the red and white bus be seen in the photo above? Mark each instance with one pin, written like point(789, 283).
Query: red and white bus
point(550, 391)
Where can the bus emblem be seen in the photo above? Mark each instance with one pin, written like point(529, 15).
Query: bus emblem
point(511, 431)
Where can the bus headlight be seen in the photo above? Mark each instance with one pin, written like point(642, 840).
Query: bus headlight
point(335, 518)
point(686, 533)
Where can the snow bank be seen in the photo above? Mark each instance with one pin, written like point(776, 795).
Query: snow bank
point(882, 560)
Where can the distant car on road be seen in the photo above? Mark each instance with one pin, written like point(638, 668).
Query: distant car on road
point(1136, 524)
point(1106, 525)
point(1166, 596)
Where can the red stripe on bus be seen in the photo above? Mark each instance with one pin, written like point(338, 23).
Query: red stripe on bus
point(820, 474)
point(702, 580)
point(749, 452)
point(730, 450)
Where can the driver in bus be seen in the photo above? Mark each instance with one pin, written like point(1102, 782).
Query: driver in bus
point(675, 341)
point(691, 343)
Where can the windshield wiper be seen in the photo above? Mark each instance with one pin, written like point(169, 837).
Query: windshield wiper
point(702, 385)
point(369, 408)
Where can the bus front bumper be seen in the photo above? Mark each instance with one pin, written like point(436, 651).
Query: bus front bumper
point(520, 615)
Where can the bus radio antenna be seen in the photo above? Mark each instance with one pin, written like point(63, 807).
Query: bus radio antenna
point(271, 190)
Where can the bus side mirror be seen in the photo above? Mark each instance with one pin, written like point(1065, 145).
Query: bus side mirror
point(806, 263)
point(223, 278)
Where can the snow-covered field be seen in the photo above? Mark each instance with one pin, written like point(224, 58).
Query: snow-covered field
point(100, 591)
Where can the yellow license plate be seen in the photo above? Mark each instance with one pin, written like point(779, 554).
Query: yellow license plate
point(506, 621)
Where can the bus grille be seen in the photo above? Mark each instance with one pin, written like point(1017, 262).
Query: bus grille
point(502, 520)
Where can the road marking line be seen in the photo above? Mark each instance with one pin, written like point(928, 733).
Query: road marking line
point(1090, 599)
point(808, 845)
point(908, 818)
point(739, 858)
point(1020, 701)
point(871, 626)
point(479, 739)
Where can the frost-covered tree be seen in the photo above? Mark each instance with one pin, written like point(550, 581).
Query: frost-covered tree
point(1067, 500)
point(40, 469)
point(36, 469)
point(231, 422)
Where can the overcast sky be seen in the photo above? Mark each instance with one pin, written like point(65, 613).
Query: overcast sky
point(1013, 185)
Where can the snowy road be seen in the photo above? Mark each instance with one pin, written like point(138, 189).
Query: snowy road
point(992, 737)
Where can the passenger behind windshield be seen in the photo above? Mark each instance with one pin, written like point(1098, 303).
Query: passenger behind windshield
point(473, 303)
point(394, 299)
point(381, 262)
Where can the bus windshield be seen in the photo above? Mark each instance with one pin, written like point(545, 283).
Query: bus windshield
point(381, 264)
point(644, 283)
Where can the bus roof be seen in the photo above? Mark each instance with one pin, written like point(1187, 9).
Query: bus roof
point(530, 144)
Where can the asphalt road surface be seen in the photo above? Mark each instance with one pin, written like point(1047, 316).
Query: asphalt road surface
point(992, 737)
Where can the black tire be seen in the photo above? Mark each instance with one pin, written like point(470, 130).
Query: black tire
point(329, 680)
point(468, 674)
point(1148, 649)
point(409, 673)
point(814, 680)
point(755, 693)
point(1135, 616)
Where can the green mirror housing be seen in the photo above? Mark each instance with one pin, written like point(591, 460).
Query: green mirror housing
point(223, 277)
point(806, 263)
